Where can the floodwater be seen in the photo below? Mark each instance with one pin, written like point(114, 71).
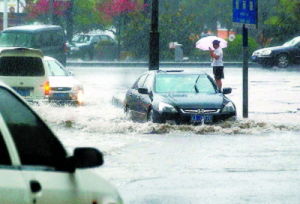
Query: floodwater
point(254, 160)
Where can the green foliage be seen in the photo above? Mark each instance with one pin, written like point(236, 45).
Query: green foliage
point(279, 24)
point(234, 51)
point(87, 17)
point(136, 36)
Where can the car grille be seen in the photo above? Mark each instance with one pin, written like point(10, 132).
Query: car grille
point(61, 89)
point(195, 111)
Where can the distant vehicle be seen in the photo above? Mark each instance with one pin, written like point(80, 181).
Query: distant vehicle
point(281, 56)
point(48, 38)
point(35, 167)
point(180, 96)
point(37, 77)
point(86, 46)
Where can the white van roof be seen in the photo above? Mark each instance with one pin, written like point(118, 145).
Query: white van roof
point(20, 51)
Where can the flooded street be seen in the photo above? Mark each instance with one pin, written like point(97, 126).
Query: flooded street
point(255, 160)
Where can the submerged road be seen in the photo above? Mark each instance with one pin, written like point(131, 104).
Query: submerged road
point(254, 160)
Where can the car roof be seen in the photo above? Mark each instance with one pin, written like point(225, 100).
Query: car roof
point(178, 71)
point(32, 28)
point(20, 51)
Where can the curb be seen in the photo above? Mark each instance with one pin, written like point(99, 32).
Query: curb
point(145, 64)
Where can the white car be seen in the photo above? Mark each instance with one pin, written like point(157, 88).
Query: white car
point(38, 77)
point(35, 167)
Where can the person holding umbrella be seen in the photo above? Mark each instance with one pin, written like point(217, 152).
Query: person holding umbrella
point(217, 62)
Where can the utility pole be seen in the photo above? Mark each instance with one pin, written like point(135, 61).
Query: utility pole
point(244, 12)
point(51, 11)
point(154, 38)
point(70, 20)
point(5, 14)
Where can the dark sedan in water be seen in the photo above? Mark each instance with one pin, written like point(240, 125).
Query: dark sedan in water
point(183, 97)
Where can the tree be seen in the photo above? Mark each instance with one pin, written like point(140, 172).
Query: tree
point(118, 11)
point(279, 24)
point(82, 13)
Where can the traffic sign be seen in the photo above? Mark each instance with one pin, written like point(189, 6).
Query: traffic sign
point(245, 12)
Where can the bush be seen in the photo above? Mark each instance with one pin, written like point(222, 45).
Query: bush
point(234, 51)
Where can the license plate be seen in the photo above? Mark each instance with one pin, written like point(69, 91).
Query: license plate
point(61, 96)
point(199, 118)
point(23, 91)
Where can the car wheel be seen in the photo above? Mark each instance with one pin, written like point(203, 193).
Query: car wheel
point(283, 60)
point(154, 117)
point(126, 111)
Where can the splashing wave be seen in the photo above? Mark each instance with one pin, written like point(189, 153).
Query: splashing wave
point(110, 120)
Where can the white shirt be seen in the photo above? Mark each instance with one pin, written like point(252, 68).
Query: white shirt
point(219, 61)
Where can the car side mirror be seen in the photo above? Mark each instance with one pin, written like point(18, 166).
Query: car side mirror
point(227, 90)
point(85, 157)
point(143, 90)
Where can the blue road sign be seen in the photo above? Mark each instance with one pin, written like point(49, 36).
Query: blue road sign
point(244, 11)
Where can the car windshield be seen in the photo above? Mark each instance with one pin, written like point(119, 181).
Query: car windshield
point(292, 42)
point(81, 38)
point(16, 39)
point(183, 83)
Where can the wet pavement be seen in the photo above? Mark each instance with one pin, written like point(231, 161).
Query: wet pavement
point(254, 160)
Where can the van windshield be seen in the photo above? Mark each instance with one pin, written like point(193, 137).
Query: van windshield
point(17, 39)
point(21, 66)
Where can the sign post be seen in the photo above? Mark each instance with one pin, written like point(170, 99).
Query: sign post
point(245, 15)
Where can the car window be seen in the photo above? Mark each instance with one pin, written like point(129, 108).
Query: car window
point(148, 82)
point(204, 85)
point(21, 66)
point(139, 82)
point(55, 69)
point(95, 39)
point(4, 156)
point(183, 83)
point(81, 38)
point(57, 38)
point(9, 39)
point(34, 141)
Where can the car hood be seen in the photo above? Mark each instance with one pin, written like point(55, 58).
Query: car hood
point(194, 100)
point(63, 81)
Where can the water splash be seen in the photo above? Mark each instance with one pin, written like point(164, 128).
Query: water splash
point(111, 120)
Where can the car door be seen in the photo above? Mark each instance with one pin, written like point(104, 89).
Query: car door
point(13, 189)
point(297, 52)
point(42, 157)
point(133, 97)
point(146, 99)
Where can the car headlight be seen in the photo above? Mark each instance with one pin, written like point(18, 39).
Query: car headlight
point(266, 52)
point(229, 107)
point(255, 53)
point(164, 107)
